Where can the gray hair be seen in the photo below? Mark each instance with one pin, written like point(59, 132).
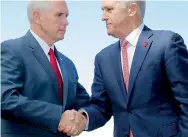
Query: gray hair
point(36, 5)
point(141, 5)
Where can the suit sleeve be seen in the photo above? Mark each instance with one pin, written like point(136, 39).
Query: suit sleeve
point(176, 61)
point(14, 105)
point(82, 97)
point(100, 110)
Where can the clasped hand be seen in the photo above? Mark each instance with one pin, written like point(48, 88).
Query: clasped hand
point(72, 123)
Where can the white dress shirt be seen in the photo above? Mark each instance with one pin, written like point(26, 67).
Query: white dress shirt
point(132, 39)
point(45, 47)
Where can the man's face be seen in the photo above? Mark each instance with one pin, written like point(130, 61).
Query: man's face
point(116, 17)
point(53, 21)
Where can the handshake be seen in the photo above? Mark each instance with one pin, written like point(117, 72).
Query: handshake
point(72, 123)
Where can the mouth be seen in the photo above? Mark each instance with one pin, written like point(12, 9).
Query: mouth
point(63, 31)
point(108, 24)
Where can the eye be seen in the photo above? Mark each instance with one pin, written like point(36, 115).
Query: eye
point(62, 15)
point(109, 9)
point(59, 14)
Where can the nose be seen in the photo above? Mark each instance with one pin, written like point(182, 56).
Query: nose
point(66, 22)
point(104, 16)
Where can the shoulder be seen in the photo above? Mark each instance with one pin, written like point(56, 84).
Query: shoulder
point(106, 51)
point(164, 35)
point(12, 45)
point(167, 37)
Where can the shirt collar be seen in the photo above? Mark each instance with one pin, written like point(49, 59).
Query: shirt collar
point(132, 38)
point(42, 43)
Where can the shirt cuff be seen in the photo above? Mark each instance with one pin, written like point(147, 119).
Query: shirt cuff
point(83, 111)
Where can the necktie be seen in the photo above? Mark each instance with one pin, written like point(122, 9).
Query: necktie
point(125, 63)
point(125, 69)
point(54, 65)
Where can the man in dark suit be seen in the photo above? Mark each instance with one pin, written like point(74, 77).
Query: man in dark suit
point(142, 80)
point(39, 85)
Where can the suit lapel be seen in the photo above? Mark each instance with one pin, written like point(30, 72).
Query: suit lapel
point(139, 56)
point(62, 65)
point(43, 60)
point(117, 67)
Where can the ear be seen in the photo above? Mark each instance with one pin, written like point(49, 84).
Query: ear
point(36, 17)
point(132, 9)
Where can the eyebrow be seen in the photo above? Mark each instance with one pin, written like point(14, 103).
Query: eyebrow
point(65, 13)
point(107, 7)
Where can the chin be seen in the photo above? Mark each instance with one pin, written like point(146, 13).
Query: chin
point(61, 37)
point(110, 34)
point(110, 31)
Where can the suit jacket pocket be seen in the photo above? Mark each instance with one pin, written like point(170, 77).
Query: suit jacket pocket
point(168, 130)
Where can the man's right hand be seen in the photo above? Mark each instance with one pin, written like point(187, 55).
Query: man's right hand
point(72, 123)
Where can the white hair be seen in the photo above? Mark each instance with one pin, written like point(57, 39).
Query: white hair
point(141, 5)
point(36, 5)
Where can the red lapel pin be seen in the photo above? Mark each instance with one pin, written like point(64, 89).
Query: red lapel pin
point(145, 44)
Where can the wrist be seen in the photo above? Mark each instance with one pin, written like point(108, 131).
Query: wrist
point(84, 115)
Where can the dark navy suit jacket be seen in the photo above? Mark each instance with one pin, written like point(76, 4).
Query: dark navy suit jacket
point(30, 103)
point(156, 104)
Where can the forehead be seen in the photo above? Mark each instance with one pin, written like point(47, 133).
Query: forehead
point(60, 6)
point(108, 3)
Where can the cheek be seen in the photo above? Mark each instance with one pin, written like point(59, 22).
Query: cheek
point(53, 26)
point(116, 19)
point(120, 19)
point(57, 24)
point(46, 24)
